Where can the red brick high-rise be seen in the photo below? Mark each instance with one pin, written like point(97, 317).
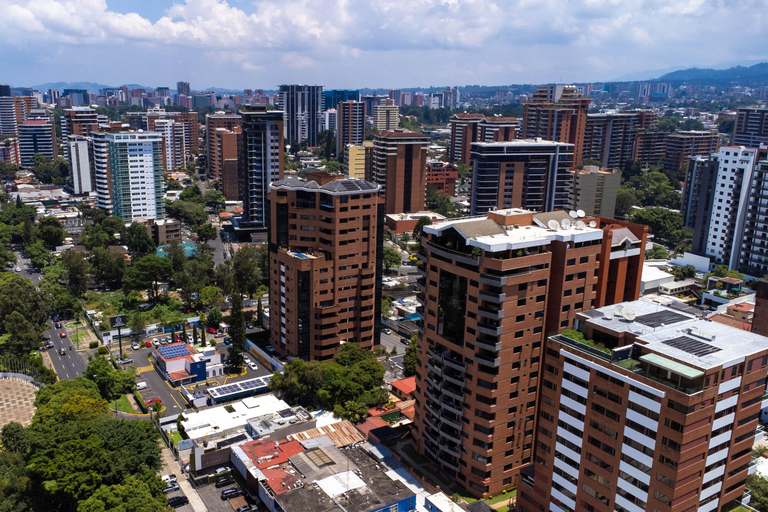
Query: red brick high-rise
point(214, 122)
point(399, 168)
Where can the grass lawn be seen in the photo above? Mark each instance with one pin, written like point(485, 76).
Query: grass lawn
point(72, 325)
point(82, 336)
point(124, 405)
point(463, 494)
point(175, 438)
point(502, 497)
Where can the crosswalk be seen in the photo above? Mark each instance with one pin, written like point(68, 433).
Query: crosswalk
point(142, 369)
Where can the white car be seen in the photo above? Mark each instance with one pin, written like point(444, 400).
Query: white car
point(247, 360)
point(387, 331)
point(168, 478)
point(135, 346)
point(252, 366)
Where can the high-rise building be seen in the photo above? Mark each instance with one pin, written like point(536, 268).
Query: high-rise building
point(386, 117)
point(334, 96)
point(303, 106)
point(79, 121)
point(146, 121)
point(183, 89)
point(559, 113)
point(326, 265)
point(760, 318)
point(657, 410)
point(593, 190)
point(750, 128)
point(13, 112)
point(213, 122)
point(9, 151)
point(395, 95)
point(350, 125)
point(330, 119)
point(173, 142)
point(37, 136)
point(228, 148)
point(491, 289)
point(398, 167)
point(468, 128)
point(128, 167)
point(650, 147)
point(610, 138)
point(357, 160)
point(752, 242)
point(451, 97)
point(682, 145)
point(260, 163)
point(442, 176)
point(81, 163)
point(698, 198)
point(530, 174)
point(77, 97)
point(498, 129)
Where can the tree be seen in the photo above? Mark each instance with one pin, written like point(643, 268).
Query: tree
point(39, 255)
point(246, 271)
point(440, 202)
point(18, 294)
point(13, 438)
point(177, 255)
point(134, 495)
point(138, 240)
point(759, 487)
point(411, 357)
point(111, 383)
point(237, 333)
point(419, 228)
point(146, 273)
point(173, 185)
point(215, 317)
point(386, 304)
point(49, 230)
point(206, 233)
point(259, 313)
point(355, 412)
point(77, 272)
point(214, 199)
point(194, 334)
point(334, 167)
point(658, 252)
point(137, 321)
point(666, 224)
point(625, 200)
point(109, 267)
point(211, 295)
point(391, 258)
point(190, 212)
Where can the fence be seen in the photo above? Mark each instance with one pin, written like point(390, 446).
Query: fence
point(20, 377)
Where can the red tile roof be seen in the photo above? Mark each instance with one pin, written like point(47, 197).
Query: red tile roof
point(269, 454)
point(405, 386)
point(280, 480)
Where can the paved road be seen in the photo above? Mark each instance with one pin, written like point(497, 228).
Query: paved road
point(25, 269)
point(70, 365)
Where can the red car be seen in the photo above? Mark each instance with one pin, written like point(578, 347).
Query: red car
point(149, 404)
point(211, 330)
point(148, 343)
point(63, 334)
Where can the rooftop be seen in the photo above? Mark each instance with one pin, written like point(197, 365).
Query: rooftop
point(646, 317)
point(219, 421)
point(405, 386)
point(340, 186)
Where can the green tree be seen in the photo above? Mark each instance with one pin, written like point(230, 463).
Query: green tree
point(211, 295)
point(419, 228)
point(137, 321)
point(13, 438)
point(334, 167)
point(391, 258)
point(214, 199)
point(77, 272)
point(206, 233)
point(111, 383)
point(132, 495)
point(193, 194)
point(49, 230)
point(138, 240)
point(22, 335)
point(658, 252)
point(246, 271)
point(353, 411)
point(39, 255)
point(237, 333)
point(215, 317)
point(411, 357)
point(439, 202)
point(108, 267)
point(190, 212)
point(759, 487)
point(18, 294)
point(177, 255)
point(146, 273)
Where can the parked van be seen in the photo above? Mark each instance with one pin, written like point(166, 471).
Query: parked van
point(141, 385)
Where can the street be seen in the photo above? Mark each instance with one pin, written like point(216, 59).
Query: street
point(67, 366)
point(24, 268)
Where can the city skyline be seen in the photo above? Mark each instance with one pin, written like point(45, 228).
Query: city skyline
point(266, 42)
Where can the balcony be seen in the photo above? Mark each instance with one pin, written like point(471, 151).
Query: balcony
point(453, 406)
point(448, 464)
point(454, 363)
point(447, 433)
point(434, 370)
point(493, 314)
point(488, 361)
point(447, 419)
point(421, 270)
point(451, 254)
point(432, 394)
point(458, 396)
point(431, 409)
point(431, 436)
point(490, 329)
point(497, 298)
point(493, 347)
point(452, 449)
point(454, 378)
point(493, 280)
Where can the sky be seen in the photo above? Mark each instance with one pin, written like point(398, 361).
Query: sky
point(368, 43)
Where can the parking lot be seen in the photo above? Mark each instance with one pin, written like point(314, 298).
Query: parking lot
point(211, 496)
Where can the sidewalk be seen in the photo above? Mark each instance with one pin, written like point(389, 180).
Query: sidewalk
point(170, 465)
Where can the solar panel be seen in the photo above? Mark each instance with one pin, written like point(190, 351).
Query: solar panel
point(659, 318)
point(692, 346)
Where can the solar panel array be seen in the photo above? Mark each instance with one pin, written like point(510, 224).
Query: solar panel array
point(173, 351)
point(241, 387)
point(692, 346)
point(659, 318)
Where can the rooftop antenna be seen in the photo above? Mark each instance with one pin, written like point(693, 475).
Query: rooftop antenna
point(608, 313)
point(618, 309)
point(581, 214)
point(592, 224)
point(553, 225)
point(573, 214)
point(566, 223)
point(580, 224)
point(629, 314)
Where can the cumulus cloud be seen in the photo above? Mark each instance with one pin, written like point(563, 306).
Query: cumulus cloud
point(532, 40)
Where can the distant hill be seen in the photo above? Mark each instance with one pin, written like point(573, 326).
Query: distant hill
point(739, 74)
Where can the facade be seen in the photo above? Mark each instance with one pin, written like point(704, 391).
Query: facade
point(162, 231)
point(663, 419)
point(350, 125)
point(398, 167)
point(622, 254)
point(699, 197)
point(492, 288)
point(81, 164)
point(260, 162)
point(214, 122)
point(37, 136)
point(146, 121)
point(650, 147)
point(173, 142)
point(498, 129)
point(386, 117)
point(594, 190)
point(357, 160)
point(334, 96)
point(9, 151)
point(750, 128)
point(325, 250)
point(180, 364)
point(79, 121)
point(752, 246)
point(469, 128)
point(128, 168)
point(228, 148)
point(610, 138)
point(303, 106)
point(442, 176)
point(400, 223)
point(682, 145)
point(558, 113)
point(760, 316)
point(529, 174)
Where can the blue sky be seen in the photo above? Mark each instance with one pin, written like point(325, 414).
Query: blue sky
point(376, 43)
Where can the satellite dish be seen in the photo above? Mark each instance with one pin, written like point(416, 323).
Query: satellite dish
point(580, 224)
point(592, 224)
point(618, 309)
point(581, 214)
point(573, 213)
point(566, 223)
point(608, 314)
point(629, 314)
point(553, 225)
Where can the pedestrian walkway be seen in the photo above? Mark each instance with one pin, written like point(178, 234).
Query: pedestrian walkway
point(171, 465)
point(142, 369)
point(17, 401)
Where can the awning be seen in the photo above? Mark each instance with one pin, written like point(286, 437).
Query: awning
point(673, 366)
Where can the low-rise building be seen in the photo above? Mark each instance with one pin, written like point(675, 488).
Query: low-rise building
point(162, 231)
point(180, 363)
point(400, 223)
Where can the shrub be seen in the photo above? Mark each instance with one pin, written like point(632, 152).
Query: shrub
point(93, 344)
point(140, 401)
point(102, 350)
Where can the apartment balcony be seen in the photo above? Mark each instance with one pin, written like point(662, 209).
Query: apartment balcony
point(420, 298)
point(431, 451)
point(453, 406)
point(421, 270)
point(432, 394)
point(449, 464)
point(488, 361)
point(431, 436)
point(452, 449)
point(490, 329)
point(493, 280)
point(497, 298)
point(492, 313)
point(431, 409)
point(434, 370)
point(493, 347)
point(421, 284)
point(447, 419)
point(456, 395)
point(454, 378)
point(447, 432)
point(454, 363)
point(451, 254)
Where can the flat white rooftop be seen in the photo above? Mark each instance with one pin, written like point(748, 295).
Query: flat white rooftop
point(219, 421)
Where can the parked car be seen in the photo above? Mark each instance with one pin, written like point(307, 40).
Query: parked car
point(227, 341)
point(250, 325)
point(405, 341)
point(178, 501)
point(156, 342)
point(221, 470)
point(141, 385)
point(244, 508)
point(211, 330)
point(167, 478)
point(172, 487)
point(387, 331)
point(228, 494)
point(252, 366)
point(224, 481)
point(126, 360)
point(148, 344)
point(135, 346)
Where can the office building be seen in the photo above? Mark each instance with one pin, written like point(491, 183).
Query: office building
point(395, 95)
point(357, 160)
point(79, 121)
point(698, 198)
point(77, 97)
point(398, 167)
point(558, 113)
point(260, 163)
point(325, 250)
point(9, 151)
point(662, 418)
point(81, 163)
point(228, 148)
point(183, 89)
point(682, 145)
point(610, 138)
point(335, 96)
point(529, 174)
point(593, 190)
point(492, 288)
point(373, 100)
point(214, 122)
point(303, 106)
point(386, 117)
point(442, 176)
point(37, 136)
point(330, 119)
point(128, 168)
point(350, 125)
point(146, 121)
point(451, 97)
point(750, 128)
point(173, 142)
point(464, 131)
